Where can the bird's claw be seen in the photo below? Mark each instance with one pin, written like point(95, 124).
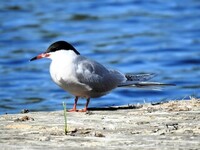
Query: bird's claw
point(80, 110)
point(73, 110)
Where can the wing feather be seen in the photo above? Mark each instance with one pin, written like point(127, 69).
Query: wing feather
point(96, 76)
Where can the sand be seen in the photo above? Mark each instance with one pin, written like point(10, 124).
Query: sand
point(170, 125)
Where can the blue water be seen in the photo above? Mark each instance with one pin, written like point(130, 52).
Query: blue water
point(153, 36)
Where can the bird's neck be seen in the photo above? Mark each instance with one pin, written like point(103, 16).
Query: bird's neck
point(62, 65)
point(63, 56)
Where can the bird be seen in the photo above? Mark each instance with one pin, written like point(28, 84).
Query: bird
point(87, 78)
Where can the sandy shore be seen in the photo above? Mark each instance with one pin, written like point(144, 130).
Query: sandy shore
point(171, 125)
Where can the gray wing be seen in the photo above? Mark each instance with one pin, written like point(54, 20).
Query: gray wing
point(96, 76)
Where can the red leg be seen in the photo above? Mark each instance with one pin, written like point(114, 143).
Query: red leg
point(74, 107)
point(86, 106)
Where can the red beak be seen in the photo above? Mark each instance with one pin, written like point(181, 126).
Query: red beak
point(43, 55)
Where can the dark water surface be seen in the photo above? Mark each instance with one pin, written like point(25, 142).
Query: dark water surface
point(153, 36)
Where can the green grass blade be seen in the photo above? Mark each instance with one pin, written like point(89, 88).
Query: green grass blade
point(65, 117)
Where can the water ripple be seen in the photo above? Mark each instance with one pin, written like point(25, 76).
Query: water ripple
point(131, 36)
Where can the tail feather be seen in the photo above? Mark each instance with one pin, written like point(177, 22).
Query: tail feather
point(147, 84)
point(139, 81)
point(144, 84)
point(139, 77)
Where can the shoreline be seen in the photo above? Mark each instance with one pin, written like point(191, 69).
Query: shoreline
point(169, 125)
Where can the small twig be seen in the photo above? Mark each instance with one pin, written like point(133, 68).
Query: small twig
point(65, 117)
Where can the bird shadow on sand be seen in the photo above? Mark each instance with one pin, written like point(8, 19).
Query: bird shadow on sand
point(114, 108)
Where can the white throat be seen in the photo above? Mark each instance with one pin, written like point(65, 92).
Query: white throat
point(62, 65)
point(62, 55)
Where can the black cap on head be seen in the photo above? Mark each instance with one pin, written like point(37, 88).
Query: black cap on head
point(61, 45)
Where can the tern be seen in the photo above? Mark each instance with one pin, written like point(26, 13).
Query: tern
point(84, 77)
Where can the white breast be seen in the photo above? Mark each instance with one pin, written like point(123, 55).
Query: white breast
point(62, 71)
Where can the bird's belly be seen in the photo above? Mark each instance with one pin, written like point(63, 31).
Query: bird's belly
point(78, 89)
point(67, 81)
point(75, 88)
